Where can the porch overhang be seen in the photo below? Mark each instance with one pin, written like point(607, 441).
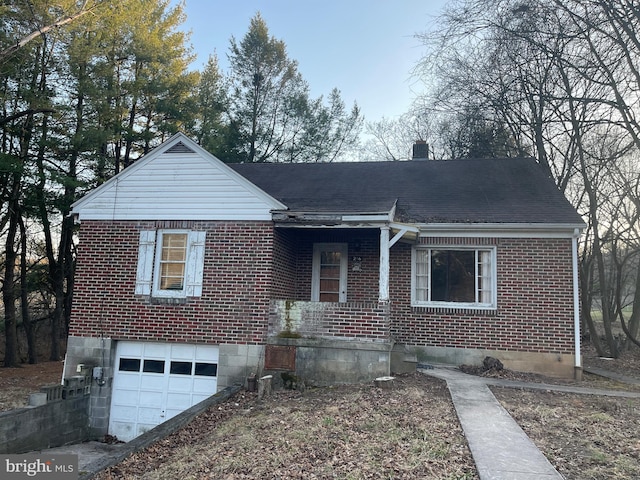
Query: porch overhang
point(390, 232)
point(289, 219)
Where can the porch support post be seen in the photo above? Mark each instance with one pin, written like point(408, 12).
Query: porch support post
point(384, 264)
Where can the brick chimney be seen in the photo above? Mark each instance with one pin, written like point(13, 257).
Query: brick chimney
point(420, 150)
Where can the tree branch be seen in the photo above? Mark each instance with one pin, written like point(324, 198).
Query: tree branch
point(7, 52)
point(31, 111)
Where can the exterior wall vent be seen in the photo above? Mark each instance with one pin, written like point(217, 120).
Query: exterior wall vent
point(179, 148)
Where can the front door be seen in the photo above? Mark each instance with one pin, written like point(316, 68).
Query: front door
point(330, 263)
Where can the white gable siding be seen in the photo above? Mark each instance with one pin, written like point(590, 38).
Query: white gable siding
point(177, 186)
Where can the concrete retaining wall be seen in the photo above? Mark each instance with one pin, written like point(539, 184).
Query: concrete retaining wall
point(57, 423)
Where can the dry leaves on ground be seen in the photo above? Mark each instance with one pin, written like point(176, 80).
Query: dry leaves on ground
point(363, 432)
point(583, 436)
point(358, 432)
point(16, 383)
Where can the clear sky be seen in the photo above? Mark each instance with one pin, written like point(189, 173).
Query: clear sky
point(364, 48)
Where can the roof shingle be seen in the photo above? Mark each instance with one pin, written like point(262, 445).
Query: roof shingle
point(513, 190)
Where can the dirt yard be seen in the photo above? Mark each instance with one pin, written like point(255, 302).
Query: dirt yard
point(17, 383)
point(360, 432)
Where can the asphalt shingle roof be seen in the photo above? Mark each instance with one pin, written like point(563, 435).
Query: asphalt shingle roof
point(454, 191)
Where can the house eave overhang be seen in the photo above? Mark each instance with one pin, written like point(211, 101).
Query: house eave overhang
point(308, 219)
point(502, 230)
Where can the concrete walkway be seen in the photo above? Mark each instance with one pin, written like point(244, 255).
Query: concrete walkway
point(500, 448)
point(612, 375)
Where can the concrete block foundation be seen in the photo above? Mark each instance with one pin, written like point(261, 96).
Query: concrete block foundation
point(555, 365)
point(323, 362)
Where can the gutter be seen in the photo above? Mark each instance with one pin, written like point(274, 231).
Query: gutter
point(512, 230)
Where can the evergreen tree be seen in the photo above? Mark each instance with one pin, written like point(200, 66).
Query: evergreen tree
point(271, 113)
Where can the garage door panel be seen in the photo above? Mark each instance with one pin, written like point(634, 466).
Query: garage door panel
point(152, 382)
point(155, 350)
point(182, 352)
point(127, 399)
point(122, 429)
point(133, 349)
point(151, 399)
point(180, 384)
point(124, 413)
point(144, 428)
point(205, 385)
point(180, 401)
point(127, 381)
point(151, 416)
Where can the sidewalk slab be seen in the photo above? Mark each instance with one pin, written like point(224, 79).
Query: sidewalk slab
point(612, 375)
point(500, 448)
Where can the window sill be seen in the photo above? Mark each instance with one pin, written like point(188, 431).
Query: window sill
point(167, 300)
point(455, 309)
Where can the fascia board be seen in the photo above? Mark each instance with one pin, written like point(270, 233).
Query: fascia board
point(502, 230)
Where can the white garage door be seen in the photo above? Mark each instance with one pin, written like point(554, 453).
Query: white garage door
point(155, 381)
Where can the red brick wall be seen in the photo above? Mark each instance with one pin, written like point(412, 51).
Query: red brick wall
point(237, 285)
point(535, 301)
point(284, 264)
point(245, 269)
point(362, 286)
point(350, 320)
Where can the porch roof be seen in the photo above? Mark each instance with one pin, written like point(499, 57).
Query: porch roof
point(511, 191)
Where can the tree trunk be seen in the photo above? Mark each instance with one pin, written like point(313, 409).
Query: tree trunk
point(9, 287)
point(29, 329)
point(585, 300)
point(634, 321)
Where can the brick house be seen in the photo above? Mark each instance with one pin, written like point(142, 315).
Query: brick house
point(193, 275)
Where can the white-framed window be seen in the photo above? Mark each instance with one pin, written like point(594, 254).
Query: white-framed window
point(329, 272)
point(170, 263)
point(458, 277)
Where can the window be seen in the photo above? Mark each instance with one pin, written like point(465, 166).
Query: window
point(170, 263)
point(329, 275)
point(454, 277)
point(206, 369)
point(180, 368)
point(153, 366)
point(129, 365)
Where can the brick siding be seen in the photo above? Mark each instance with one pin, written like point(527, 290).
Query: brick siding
point(535, 301)
point(234, 304)
point(247, 265)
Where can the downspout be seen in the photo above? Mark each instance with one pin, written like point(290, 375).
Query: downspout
point(384, 264)
point(577, 369)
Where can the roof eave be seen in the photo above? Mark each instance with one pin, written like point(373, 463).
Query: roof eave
point(540, 230)
point(293, 218)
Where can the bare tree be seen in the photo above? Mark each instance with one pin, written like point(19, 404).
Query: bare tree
point(564, 75)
